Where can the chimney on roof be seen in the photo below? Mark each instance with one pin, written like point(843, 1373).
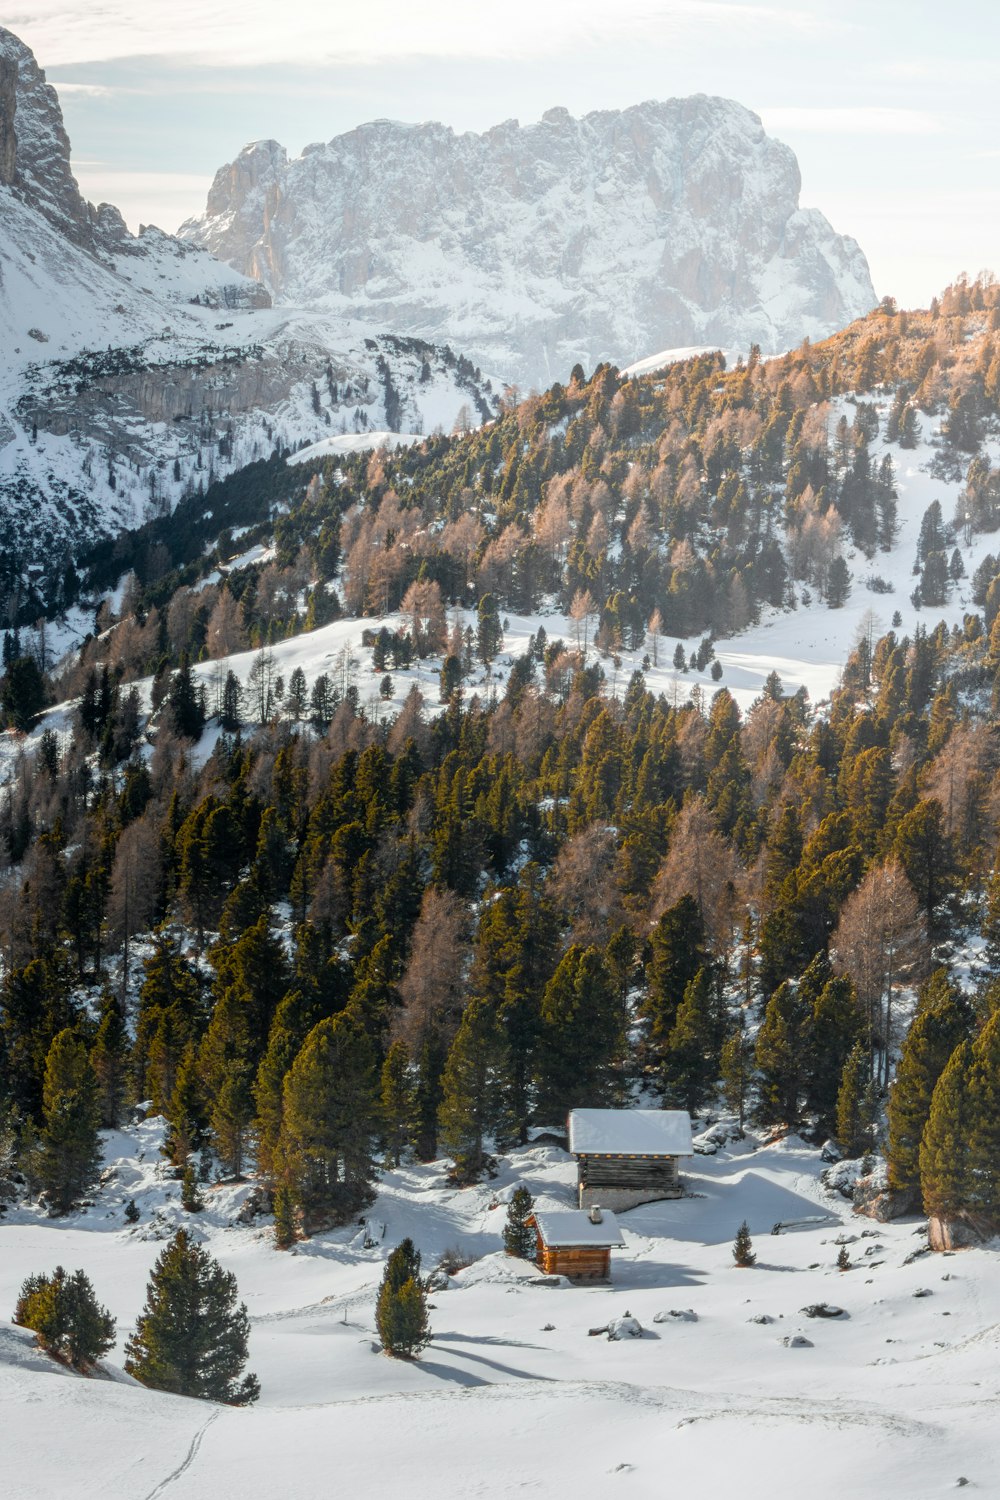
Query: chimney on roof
point(596, 1217)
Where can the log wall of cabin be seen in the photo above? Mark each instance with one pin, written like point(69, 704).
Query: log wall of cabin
point(619, 1182)
point(577, 1263)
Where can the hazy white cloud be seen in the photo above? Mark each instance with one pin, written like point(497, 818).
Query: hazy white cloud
point(67, 32)
point(163, 198)
point(88, 90)
point(851, 120)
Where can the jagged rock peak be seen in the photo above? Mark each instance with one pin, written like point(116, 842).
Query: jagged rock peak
point(531, 247)
point(34, 146)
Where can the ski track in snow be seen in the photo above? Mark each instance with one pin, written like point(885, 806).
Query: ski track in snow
point(187, 1461)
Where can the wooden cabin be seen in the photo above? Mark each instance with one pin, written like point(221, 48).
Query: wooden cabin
point(576, 1242)
point(625, 1157)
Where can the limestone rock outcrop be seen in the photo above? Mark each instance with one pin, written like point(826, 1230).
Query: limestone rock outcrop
point(531, 248)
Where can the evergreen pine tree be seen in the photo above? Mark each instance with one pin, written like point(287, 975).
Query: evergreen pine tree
point(735, 1068)
point(431, 1061)
point(489, 637)
point(396, 1102)
point(191, 1337)
point(191, 1199)
point(401, 1308)
point(329, 1119)
point(940, 1022)
point(743, 1253)
point(691, 1064)
point(984, 1140)
point(945, 1177)
point(293, 1020)
point(678, 952)
point(853, 1119)
point(579, 1036)
point(843, 1259)
point(472, 1104)
point(185, 1113)
point(185, 703)
point(781, 1056)
point(67, 1317)
point(834, 1029)
point(170, 1015)
point(132, 1212)
point(109, 1057)
point(284, 1217)
point(518, 1236)
point(69, 1148)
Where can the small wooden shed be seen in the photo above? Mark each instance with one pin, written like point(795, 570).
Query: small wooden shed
point(576, 1242)
point(625, 1157)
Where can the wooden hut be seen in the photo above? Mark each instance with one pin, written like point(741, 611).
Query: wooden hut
point(576, 1242)
point(625, 1157)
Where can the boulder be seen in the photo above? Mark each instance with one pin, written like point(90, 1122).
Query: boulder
point(625, 1327)
point(823, 1310)
point(957, 1234)
point(676, 1315)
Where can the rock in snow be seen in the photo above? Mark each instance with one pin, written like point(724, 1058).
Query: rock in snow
point(531, 248)
point(625, 1327)
point(676, 1315)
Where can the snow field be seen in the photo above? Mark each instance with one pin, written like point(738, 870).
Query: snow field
point(512, 1395)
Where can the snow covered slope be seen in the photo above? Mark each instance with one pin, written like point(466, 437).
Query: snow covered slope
point(532, 248)
point(893, 1399)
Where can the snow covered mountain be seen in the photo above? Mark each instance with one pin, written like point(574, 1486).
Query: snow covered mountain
point(136, 368)
point(532, 248)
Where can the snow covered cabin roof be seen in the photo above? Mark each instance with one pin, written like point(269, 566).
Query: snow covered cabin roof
point(572, 1228)
point(630, 1132)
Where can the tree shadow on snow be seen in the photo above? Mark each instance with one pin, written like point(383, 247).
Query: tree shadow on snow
point(469, 1377)
point(468, 1338)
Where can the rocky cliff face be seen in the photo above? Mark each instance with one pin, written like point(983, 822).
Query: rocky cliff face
point(607, 237)
point(8, 106)
point(34, 146)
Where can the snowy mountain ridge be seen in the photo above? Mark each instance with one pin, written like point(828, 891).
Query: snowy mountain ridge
point(535, 247)
point(137, 368)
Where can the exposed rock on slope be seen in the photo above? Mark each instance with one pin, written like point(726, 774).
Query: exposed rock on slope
point(533, 247)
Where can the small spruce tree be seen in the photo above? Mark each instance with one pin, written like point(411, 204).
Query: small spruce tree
point(401, 1309)
point(945, 1178)
point(743, 1253)
point(736, 1066)
point(67, 1317)
point(853, 1106)
point(285, 1232)
point(472, 1104)
point(69, 1148)
point(941, 1021)
point(518, 1235)
point(131, 1212)
point(191, 1337)
point(397, 1102)
point(191, 1199)
point(843, 1259)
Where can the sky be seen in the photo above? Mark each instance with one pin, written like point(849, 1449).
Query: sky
point(892, 106)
